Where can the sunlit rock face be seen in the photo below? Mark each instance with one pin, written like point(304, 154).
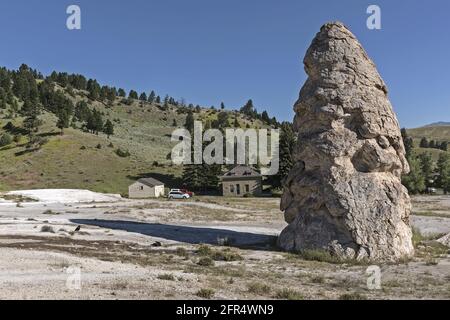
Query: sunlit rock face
point(344, 193)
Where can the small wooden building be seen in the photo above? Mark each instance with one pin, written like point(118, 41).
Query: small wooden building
point(146, 188)
point(240, 181)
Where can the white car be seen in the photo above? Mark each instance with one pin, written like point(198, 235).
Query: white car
point(178, 195)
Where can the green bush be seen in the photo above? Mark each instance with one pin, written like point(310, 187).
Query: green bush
point(205, 293)
point(123, 153)
point(5, 139)
point(206, 262)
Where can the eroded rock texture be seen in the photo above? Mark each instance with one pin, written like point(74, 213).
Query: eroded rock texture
point(344, 193)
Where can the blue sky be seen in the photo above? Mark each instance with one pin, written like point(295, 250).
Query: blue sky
point(208, 51)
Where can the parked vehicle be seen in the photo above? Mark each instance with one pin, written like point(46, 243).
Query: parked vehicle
point(191, 194)
point(178, 195)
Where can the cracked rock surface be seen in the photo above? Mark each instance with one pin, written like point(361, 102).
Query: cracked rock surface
point(344, 193)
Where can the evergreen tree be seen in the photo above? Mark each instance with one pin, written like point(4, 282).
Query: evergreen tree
point(108, 128)
point(287, 143)
point(63, 120)
point(133, 95)
point(122, 93)
point(443, 168)
point(432, 144)
point(222, 106)
point(189, 124)
point(415, 180)
point(424, 143)
point(408, 142)
point(152, 97)
point(426, 164)
point(143, 96)
point(265, 117)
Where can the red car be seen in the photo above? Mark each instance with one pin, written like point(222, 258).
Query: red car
point(191, 194)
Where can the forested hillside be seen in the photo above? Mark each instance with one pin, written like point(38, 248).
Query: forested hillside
point(66, 131)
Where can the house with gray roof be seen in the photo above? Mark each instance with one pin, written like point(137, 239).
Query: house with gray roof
point(146, 188)
point(241, 181)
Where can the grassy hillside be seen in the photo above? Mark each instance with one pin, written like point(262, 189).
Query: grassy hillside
point(438, 133)
point(79, 159)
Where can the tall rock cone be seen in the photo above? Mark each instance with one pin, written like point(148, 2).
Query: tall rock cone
point(344, 193)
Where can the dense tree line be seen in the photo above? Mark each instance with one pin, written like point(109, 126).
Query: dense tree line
point(432, 144)
point(424, 172)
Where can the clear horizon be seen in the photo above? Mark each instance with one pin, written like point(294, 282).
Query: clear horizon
point(209, 52)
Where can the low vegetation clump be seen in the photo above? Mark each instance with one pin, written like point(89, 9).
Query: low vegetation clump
point(205, 293)
point(123, 153)
point(352, 296)
point(227, 254)
point(182, 252)
point(5, 139)
point(259, 288)
point(47, 229)
point(50, 212)
point(288, 294)
point(319, 255)
point(206, 262)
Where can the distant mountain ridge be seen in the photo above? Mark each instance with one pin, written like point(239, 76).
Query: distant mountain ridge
point(438, 124)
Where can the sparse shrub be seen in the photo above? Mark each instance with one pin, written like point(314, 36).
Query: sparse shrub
point(288, 294)
point(83, 148)
point(110, 145)
point(17, 138)
point(204, 250)
point(99, 146)
point(352, 296)
point(155, 163)
point(5, 139)
point(417, 237)
point(167, 277)
point(318, 255)
point(182, 252)
point(50, 212)
point(47, 229)
point(226, 255)
point(206, 262)
point(205, 293)
point(258, 288)
point(123, 153)
point(318, 279)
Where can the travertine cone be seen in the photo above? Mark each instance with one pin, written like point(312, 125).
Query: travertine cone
point(344, 193)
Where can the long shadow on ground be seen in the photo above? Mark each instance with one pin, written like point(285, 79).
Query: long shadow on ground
point(192, 235)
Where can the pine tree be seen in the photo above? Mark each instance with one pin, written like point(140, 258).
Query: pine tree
point(286, 149)
point(443, 168)
point(426, 164)
point(415, 180)
point(408, 142)
point(63, 120)
point(143, 96)
point(222, 106)
point(108, 128)
point(133, 95)
point(152, 97)
point(122, 93)
point(424, 143)
point(190, 121)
